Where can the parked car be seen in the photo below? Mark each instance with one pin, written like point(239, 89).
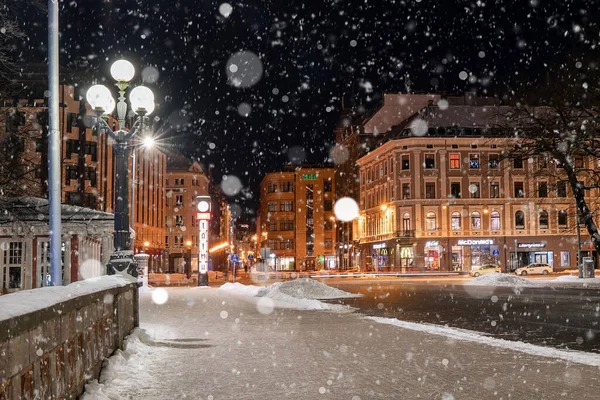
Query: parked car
point(536, 268)
point(484, 269)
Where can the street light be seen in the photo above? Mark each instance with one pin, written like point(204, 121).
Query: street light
point(142, 103)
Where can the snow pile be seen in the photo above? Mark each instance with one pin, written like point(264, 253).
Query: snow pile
point(238, 288)
point(302, 294)
point(27, 301)
point(305, 288)
point(123, 368)
point(501, 280)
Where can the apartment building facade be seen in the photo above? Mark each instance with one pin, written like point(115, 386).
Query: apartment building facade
point(296, 221)
point(448, 200)
point(185, 180)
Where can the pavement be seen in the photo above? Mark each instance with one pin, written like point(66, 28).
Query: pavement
point(205, 343)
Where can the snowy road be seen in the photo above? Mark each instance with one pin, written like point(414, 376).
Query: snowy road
point(211, 344)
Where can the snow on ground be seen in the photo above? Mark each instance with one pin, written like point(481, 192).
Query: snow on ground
point(502, 280)
point(575, 279)
point(302, 294)
point(124, 368)
point(579, 357)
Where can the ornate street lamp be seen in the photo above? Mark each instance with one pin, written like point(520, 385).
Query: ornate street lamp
point(141, 101)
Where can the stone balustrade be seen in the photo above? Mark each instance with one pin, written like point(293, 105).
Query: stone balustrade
point(53, 340)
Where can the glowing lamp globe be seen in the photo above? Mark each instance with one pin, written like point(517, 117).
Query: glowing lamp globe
point(142, 100)
point(203, 206)
point(122, 71)
point(100, 98)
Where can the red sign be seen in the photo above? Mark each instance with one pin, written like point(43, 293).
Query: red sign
point(203, 215)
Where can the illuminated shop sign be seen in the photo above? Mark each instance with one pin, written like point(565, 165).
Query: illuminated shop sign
point(531, 245)
point(379, 246)
point(475, 242)
point(309, 177)
point(432, 243)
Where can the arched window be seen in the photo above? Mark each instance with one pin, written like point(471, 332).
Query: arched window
point(456, 221)
point(406, 222)
point(563, 220)
point(543, 219)
point(520, 220)
point(475, 220)
point(495, 221)
point(430, 222)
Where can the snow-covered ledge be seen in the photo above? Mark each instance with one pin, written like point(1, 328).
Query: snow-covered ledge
point(54, 339)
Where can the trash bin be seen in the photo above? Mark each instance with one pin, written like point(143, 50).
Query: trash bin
point(588, 267)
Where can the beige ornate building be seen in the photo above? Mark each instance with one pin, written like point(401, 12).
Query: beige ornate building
point(296, 220)
point(446, 200)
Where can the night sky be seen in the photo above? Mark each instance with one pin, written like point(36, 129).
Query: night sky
point(312, 54)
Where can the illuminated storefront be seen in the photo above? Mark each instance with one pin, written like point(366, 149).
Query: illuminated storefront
point(469, 252)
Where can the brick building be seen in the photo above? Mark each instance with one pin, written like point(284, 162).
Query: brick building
point(296, 218)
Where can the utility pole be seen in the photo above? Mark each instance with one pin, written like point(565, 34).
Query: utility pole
point(54, 196)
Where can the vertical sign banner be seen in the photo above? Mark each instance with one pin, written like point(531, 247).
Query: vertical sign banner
point(203, 247)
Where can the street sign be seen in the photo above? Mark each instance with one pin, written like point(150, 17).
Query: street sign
point(496, 252)
point(234, 258)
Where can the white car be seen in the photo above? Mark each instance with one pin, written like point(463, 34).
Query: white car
point(532, 269)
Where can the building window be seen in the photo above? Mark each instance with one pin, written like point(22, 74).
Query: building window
point(272, 244)
point(430, 222)
point(328, 244)
point(406, 222)
point(495, 221)
point(543, 219)
point(286, 225)
point(519, 190)
point(561, 189)
point(454, 161)
point(563, 220)
point(429, 161)
point(578, 162)
point(286, 187)
point(391, 165)
point(285, 205)
point(167, 241)
point(272, 206)
point(456, 221)
point(494, 161)
point(179, 200)
point(494, 190)
point(406, 191)
point(455, 190)
point(476, 220)
point(518, 163)
point(327, 186)
point(328, 225)
point(287, 244)
point(543, 189)
point(272, 226)
point(474, 161)
point(272, 187)
point(405, 162)
point(475, 190)
point(328, 205)
point(520, 220)
point(179, 220)
point(430, 190)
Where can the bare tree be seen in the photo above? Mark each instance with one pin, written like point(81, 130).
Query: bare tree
point(11, 32)
point(561, 131)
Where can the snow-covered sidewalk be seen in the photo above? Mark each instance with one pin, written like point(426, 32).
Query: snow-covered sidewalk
point(232, 344)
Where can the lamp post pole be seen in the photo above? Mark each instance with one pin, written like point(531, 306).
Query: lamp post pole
point(142, 103)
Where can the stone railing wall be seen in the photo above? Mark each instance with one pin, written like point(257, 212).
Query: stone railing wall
point(54, 340)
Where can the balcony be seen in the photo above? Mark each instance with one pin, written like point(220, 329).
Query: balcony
point(405, 234)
